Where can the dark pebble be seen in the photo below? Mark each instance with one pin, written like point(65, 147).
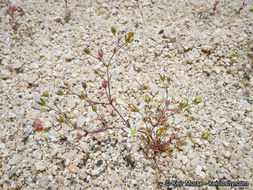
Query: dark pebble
point(99, 163)
point(161, 31)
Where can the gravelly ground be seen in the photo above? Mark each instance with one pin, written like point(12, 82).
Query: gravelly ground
point(206, 53)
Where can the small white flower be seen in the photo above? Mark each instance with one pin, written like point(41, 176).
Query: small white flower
point(133, 130)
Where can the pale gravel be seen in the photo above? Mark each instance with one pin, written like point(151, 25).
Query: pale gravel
point(195, 50)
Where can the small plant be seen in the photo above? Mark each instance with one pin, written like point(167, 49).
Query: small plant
point(234, 54)
point(215, 5)
point(15, 12)
point(241, 8)
point(106, 85)
point(156, 133)
point(67, 12)
point(138, 6)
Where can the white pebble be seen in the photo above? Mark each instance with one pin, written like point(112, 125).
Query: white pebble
point(207, 48)
point(84, 146)
point(113, 178)
point(71, 154)
point(177, 164)
point(198, 170)
point(80, 121)
point(40, 166)
point(15, 159)
point(43, 181)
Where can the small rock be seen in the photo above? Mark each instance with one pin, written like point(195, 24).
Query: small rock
point(202, 174)
point(64, 188)
point(15, 160)
point(235, 117)
point(71, 154)
point(196, 141)
point(226, 144)
point(37, 125)
point(12, 172)
point(167, 35)
point(99, 163)
point(69, 57)
point(226, 154)
point(195, 161)
point(84, 146)
point(89, 10)
point(5, 74)
point(113, 178)
point(207, 48)
point(43, 181)
point(249, 163)
point(17, 65)
point(161, 31)
point(198, 170)
point(60, 179)
point(40, 166)
point(217, 70)
point(185, 160)
point(32, 78)
point(80, 121)
point(220, 120)
point(47, 125)
point(177, 164)
point(71, 104)
point(96, 171)
point(12, 115)
point(73, 169)
point(105, 5)
point(82, 174)
point(37, 154)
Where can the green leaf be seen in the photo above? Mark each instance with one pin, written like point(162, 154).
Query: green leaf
point(42, 102)
point(149, 107)
point(147, 99)
point(96, 72)
point(160, 131)
point(133, 131)
point(113, 30)
point(251, 10)
point(87, 51)
point(133, 108)
point(162, 77)
point(66, 84)
point(82, 97)
point(183, 105)
point(205, 135)
point(144, 119)
point(45, 94)
point(197, 100)
point(234, 54)
point(129, 37)
point(60, 119)
point(94, 108)
point(60, 92)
